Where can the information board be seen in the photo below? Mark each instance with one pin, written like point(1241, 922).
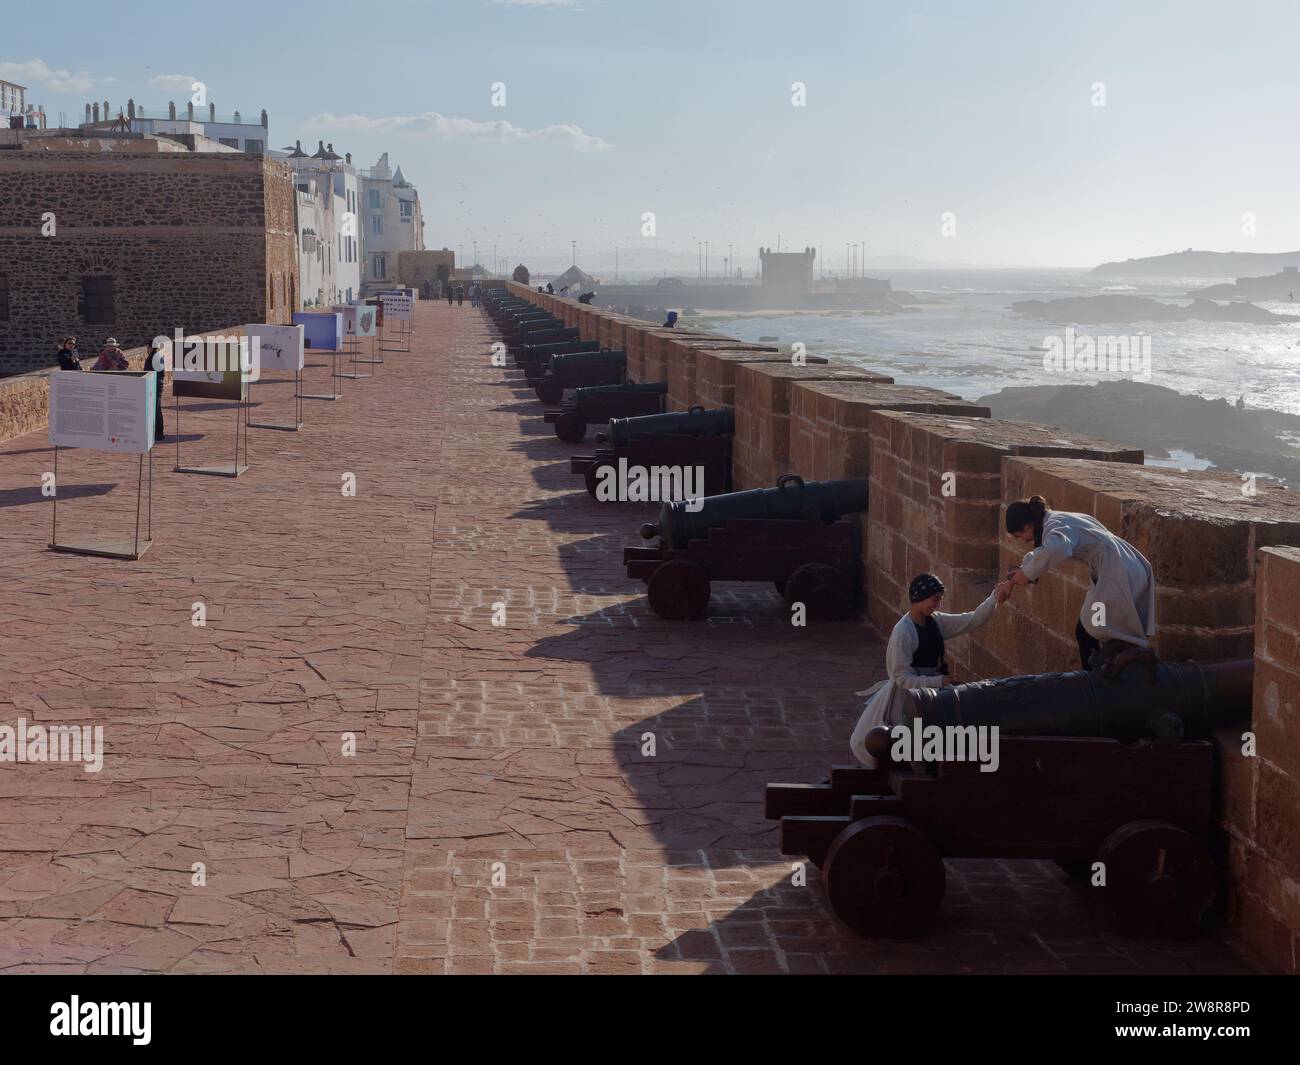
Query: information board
point(279, 347)
point(108, 411)
point(323, 329)
point(397, 307)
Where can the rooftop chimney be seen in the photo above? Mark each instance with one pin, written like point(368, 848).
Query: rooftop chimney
point(96, 112)
point(212, 112)
point(236, 117)
point(189, 110)
point(130, 108)
point(171, 109)
point(264, 118)
point(87, 112)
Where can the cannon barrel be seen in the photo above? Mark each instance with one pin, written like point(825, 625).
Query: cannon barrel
point(544, 336)
point(594, 391)
point(542, 352)
point(718, 421)
point(1165, 700)
point(792, 498)
point(580, 360)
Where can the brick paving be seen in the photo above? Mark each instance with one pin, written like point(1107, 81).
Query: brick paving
point(499, 814)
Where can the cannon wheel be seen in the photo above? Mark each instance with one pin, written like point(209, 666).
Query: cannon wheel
point(884, 877)
point(822, 590)
point(592, 476)
point(570, 427)
point(1159, 880)
point(679, 590)
point(549, 392)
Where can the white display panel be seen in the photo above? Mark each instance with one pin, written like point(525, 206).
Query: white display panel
point(110, 411)
point(279, 347)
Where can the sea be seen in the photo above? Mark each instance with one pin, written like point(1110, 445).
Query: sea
point(966, 339)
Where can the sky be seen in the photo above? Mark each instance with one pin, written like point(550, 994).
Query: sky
point(1042, 133)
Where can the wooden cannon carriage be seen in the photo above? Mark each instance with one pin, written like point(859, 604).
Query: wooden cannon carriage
point(790, 535)
point(1120, 788)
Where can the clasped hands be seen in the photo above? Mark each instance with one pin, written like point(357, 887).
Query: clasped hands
point(1004, 588)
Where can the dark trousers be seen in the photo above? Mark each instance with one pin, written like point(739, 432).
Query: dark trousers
point(1087, 643)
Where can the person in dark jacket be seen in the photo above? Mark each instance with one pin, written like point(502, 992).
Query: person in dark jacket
point(671, 323)
point(451, 293)
point(154, 361)
point(460, 295)
point(68, 357)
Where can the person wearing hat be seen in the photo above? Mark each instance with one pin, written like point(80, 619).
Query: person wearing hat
point(915, 655)
point(111, 357)
point(68, 357)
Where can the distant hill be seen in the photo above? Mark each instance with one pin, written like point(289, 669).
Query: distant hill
point(1191, 263)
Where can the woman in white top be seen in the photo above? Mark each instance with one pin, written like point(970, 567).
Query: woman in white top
point(1120, 605)
point(915, 655)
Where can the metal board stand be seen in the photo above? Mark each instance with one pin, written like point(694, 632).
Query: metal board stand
point(403, 337)
point(374, 351)
point(334, 376)
point(241, 408)
point(128, 550)
point(284, 427)
point(353, 343)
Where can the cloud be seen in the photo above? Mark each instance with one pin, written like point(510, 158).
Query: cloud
point(445, 127)
point(173, 82)
point(35, 72)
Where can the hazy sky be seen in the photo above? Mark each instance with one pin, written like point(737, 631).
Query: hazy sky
point(619, 107)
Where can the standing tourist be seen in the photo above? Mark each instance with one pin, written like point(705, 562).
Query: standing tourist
point(111, 357)
point(68, 357)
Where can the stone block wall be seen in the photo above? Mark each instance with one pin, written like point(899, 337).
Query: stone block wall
point(715, 371)
point(761, 451)
point(1260, 813)
point(937, 504)
point(190, 241)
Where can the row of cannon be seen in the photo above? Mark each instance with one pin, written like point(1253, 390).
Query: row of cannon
point(1111, 776)
point(793, 535)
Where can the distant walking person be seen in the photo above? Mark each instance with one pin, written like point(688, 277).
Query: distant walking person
point(451, 295)
point(111, 357)
point(68, 357)
point(460, 295)
point(473, 295)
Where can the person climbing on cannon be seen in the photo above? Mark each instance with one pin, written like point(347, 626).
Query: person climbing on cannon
point(1118, 615)
point(915, 655)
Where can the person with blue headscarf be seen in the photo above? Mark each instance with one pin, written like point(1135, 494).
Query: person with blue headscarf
point(672, 320)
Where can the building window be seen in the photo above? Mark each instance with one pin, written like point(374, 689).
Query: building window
point(229, 142)
point(254, 147)
point(376, 223)
point(406, 210)
point(270, 292)
point(374, 198)
point(97, 300)
point(381, 266)
point(4, 297)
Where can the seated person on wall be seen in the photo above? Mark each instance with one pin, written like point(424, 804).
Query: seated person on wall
point(915, 655)
point(1118, 616)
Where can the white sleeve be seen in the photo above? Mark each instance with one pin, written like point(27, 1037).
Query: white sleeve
point(956, 624)
point(903, 642)
point(1058, 545)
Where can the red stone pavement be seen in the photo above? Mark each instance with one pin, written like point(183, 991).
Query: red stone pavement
point(498, 814)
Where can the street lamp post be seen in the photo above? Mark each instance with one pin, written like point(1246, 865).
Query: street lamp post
point(574, 243)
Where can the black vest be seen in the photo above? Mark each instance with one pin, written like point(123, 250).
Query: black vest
point(929, 652)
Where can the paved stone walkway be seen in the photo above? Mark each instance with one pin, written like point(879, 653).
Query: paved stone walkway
point(498, 814)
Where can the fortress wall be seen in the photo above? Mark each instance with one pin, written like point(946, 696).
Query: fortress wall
point(1227, 563)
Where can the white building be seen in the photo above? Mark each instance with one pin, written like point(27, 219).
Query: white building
point(234, 131)
point(390, 221)
point(329, 244)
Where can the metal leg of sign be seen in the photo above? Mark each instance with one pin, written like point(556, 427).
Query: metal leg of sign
point(284, 427)
point(128, 550)
point(372, 361)
point(241, 417)
point(354, 375)
point(333, 393)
